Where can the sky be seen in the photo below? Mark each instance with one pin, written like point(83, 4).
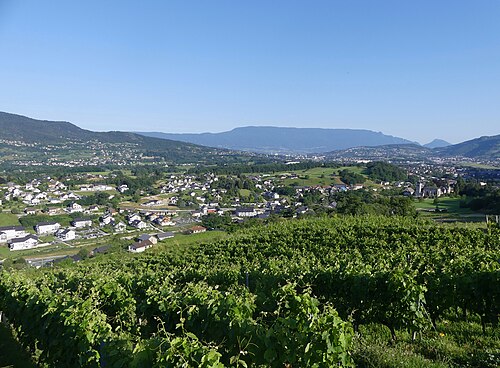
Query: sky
point(414, 69)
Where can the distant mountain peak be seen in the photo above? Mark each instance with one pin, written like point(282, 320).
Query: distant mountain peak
point(437, 143)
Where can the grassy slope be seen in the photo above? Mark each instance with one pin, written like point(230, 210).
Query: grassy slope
point(8, 219)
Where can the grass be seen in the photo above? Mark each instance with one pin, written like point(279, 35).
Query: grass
point(312, 177)
point(11, 353)
point(452, 207)
point(245, 192)
point(454, 343)
point(8, 219)
point(183, 240)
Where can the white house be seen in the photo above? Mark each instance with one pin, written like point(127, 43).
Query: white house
point(11, 232)
point(134, 217)
point(47, 227)
point(66, 235)
point(74, 207)
point(138, 224)
point(120, 227)
point(81, 222)
point(27, 242)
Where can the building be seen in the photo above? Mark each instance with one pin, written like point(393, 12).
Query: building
point(138, 224)
point(27, 242)
point(74, 207)
point(140, 247)
point(81, 222)
point(245, 212)
point(163, 236)
point(11, 232)
point(145, 237)
point(44, 228)
point(66, 234)
point(197, 230)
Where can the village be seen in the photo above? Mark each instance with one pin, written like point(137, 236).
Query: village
point(87, 208)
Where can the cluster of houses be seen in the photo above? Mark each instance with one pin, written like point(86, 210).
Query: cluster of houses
point(17, 238)
point(33, 194)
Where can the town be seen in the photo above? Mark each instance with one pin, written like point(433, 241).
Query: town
point(86, 213)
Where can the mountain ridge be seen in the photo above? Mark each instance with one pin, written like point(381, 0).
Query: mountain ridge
point(271, 139)
point(14, 127)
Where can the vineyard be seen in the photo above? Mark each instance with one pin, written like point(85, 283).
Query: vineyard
point(292, 294)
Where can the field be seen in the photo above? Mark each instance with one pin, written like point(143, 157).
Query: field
point(318, 176)
point(8, 219)
point(418, 294)
point(449, 209)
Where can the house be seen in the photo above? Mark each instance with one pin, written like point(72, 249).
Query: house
point(138, 224)
point(120, 227)
point(163, 236)
point(30, 211)
point(123, 188)
point(81, 222)
point(93, 208)
point(107, 219)
point(140, 246)
point(245, 212)
point(197, 230)
point(27, 242)
point(164, 221)
point(133, 217)
point(66, 234)
point(11, 232)
point(74, 207)
point(44, 228)
point(408, 192)
point(145, 237)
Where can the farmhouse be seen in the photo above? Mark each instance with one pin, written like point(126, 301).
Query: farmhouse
point(27, 242)
point(47, 227)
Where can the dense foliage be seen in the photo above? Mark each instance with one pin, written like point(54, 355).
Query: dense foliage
point(263, 297)
point(384, 171)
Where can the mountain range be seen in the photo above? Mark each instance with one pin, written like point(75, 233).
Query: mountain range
point(64, 135)
point(268, 139)
point(334, 143)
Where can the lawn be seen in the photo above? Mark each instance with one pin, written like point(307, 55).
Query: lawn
point(452, 208)
point(8, 219)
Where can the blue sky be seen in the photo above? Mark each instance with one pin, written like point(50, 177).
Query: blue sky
point(415, 69)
